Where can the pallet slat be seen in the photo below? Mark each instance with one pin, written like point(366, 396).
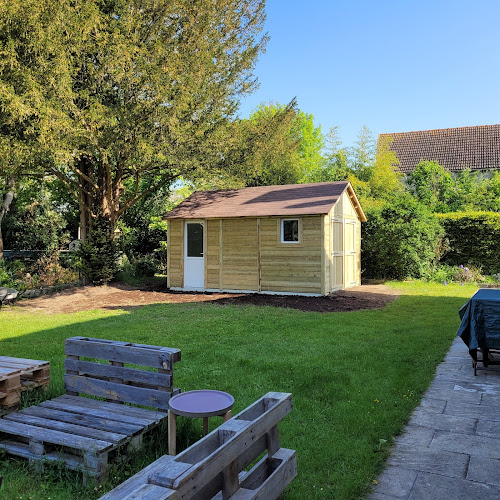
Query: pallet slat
point(69, 428)
point(133, 411)
point(117, 392)
point(92, 422)
point(94, 412)
point(138, 354)
point(129, 374)
point(54, 437)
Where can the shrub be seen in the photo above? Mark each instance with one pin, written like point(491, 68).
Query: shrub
point(145, 268)
point(402, 239)
point(474, 239)
point(97, 257)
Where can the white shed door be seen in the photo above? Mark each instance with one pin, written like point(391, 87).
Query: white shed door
point(194, 262)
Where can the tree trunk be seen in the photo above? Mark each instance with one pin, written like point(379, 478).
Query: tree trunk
point(7, 201)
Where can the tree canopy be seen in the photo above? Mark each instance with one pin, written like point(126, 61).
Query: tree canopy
point(118, 98)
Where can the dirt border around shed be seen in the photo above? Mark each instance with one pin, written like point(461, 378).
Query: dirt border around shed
point(119, 296)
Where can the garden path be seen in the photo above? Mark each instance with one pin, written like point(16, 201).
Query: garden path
point(451, 447)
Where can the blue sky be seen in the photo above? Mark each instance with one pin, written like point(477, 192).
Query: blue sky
point(393, 66)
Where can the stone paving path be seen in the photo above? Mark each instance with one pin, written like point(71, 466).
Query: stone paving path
point(451, 447)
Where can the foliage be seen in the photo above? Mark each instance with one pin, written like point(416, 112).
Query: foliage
point(7, 277)
point(145, 267)
point(444, 273)
point(33, 222)
point(474, 239)
point(43, 272)
point(333, 400)
point(430, 183)
point(277, 144)
point(362, 154)
point(97, 257)
point(385, 180)
point(105, 93)
point(400, 240)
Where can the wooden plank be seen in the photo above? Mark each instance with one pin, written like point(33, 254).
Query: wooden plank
point(23, 450)
point(272, 487)
point(153, 356)
point(116, 415)
point(53, 437)
point(138, 480)
point(128, 374)
point(150, 416)
point(70, 428)
point(30, 362)
point(92, 422)
point(150, 492)
point(117, 392)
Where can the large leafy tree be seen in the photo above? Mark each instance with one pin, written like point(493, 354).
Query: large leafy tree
point(277, 144)
point(118, 98)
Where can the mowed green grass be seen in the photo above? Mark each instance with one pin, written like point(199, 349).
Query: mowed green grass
point(355, 377)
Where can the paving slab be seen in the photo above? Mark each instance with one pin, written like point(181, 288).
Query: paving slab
point(442, 422)
point(434, 487)
point(396, 481)
point(451, 448)
point(464, 443)
point(423, 460)
point(484, 470)
point(415, 436)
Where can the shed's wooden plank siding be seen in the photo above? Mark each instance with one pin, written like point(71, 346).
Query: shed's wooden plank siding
point(212, 260)
point(175, 253)
point(290, 267)
point(240, 254)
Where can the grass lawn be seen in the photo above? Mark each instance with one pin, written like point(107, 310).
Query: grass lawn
point(355, 377)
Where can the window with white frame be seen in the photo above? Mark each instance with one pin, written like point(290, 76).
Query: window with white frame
point(289, 230)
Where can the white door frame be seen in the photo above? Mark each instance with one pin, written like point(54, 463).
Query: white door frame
point(194, 267)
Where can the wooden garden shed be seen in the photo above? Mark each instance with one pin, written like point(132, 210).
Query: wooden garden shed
point(301, 239)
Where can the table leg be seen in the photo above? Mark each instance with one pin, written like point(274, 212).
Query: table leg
point(205, 426)
point(172, 417)
point(227, 415)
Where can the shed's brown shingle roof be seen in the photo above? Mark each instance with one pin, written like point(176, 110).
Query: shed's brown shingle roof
point(477, 148)
point(261, 201)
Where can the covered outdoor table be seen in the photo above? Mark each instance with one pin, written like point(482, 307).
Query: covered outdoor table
point(480, 327)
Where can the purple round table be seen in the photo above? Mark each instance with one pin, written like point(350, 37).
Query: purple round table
point(203, 403)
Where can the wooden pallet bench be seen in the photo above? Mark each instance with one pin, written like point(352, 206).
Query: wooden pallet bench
point(87, 434)
point(215, 467)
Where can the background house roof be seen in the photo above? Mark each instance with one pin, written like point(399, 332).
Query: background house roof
point(477, 148)
point(261, 201)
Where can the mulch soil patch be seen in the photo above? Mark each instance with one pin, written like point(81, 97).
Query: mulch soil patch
point(119, 296)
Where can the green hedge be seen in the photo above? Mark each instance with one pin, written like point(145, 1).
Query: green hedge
point(474, 238)
point(399, 240)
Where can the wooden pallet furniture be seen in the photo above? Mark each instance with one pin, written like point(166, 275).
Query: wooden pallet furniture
point(215, 467)
point(19, 374)
point(10, 387)
point(87, 434)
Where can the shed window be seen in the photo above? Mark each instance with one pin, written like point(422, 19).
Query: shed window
point(289, 230)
